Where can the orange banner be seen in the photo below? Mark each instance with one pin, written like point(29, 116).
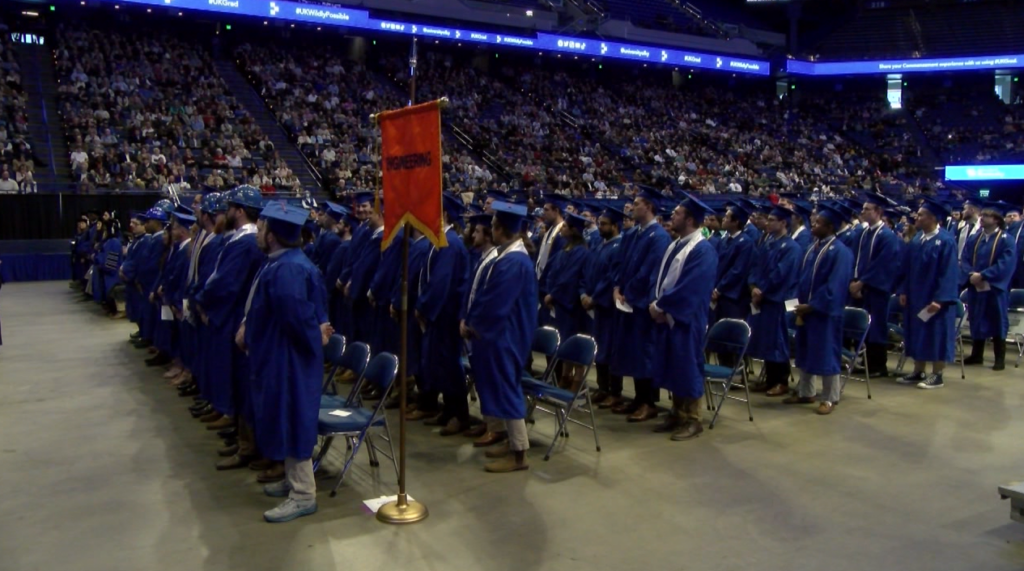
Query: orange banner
point(411, 163)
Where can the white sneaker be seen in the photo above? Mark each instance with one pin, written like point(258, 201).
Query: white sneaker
point(289, 510)
point(277, 489)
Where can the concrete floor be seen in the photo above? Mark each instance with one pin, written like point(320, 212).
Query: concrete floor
point(103, 469)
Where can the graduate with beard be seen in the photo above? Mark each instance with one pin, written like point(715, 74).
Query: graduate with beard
point(990, 258)
point(598, 283)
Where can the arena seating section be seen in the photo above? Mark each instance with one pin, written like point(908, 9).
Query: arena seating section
point(16, 158)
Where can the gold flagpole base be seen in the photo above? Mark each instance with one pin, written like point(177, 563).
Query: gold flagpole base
point(402, 511)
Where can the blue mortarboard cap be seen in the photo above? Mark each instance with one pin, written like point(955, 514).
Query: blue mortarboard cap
point(893, 214)
point(781, 213)
point(182, 209)
point(512, 216)
point(854, 204)
point(698, 209)
point(473, 209)
point(482, 219)
point(311, 225)
point(183, 215)
point(576, 221)
point(739, 210)
point(832, 214)
point(165, 205)
point(803, 211)
point(616, 216)
point(335, 211)
point(362, 197)
point(999, 206)
point(497, 194)
point(284, 220)
point(652, 195)
point(973, 201)
point(246, 196)
point(937, 208)
point(844, 208)
point(210, 202)
point(877, 200)
point(453, 205)
point(517, 195)
point(556, 200)
point(155, 214)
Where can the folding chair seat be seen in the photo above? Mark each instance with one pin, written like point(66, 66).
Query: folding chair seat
point(961, 314)
point(856, 323)
point(546, 341)
point(729, 336)
point(578, 350)
point(355, 359)
point(354, 422)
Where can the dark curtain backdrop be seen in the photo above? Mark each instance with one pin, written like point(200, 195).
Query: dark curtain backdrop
point(53, 216)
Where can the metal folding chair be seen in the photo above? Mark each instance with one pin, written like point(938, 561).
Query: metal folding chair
point(726, 336)
point(355, 358)
point(333, 351)
point(546, 342)
point(578, 350)
point(897, 334)
point(961, 314)
point(856, 323)
point(1016, 305)
point(354, 422)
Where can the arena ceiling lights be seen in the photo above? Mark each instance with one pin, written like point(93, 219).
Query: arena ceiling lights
point(905, 66)
point(352, 18)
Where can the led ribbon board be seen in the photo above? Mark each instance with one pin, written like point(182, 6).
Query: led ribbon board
point(904, 66)
point(985, 172)
point(349, 17)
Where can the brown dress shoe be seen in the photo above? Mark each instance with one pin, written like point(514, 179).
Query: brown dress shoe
point(454, 426)
point(671, 422)
point(489, 439)
point(825, 408)
point(691, 429)
point(261, 465)
point(213, 416)
point(476, 431)
point(611, 401)
point(625, 408)
point(221, 423)
point(499, 452)
point(798, 400)
point(599, 396)
point(274, 474)
point(778, 391)
point(759, 388)
point(228, 451)
point(436, 420)
point(235, 462)
point(420, 415)
point(644, 413)
point(510, 463)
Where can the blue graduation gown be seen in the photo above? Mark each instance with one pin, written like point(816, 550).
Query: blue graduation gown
point(132, 297)
point(148, 271)
point(802, 238)
point(282, 332)
point(364, 265)
point(564, 285)
point(850, 236)
point(504, 316)
point(641, 259)
point(387, 274)
point(932, 275)
point(1016, 231)
point(223, 299)
point(678, 364)
point(995, 258)
point(557, 246)
point(735, 256)
point(876, 257)
point(324, 248)
point(442, 284)
point(752, 232)
point(825, 285)
point(173, 281)
point(598, 284)
point(775, 274)
point(82, 251)
point(418, 250)
point(206, 262)
point(715, 239)
point(109, 262)
point(339, 312)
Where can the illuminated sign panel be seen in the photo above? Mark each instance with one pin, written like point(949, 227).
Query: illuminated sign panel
point(985, 172)
point(904, 66)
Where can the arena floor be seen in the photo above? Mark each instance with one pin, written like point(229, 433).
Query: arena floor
point(104, 470)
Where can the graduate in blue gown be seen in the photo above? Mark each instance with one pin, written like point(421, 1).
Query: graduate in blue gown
point(731, 294)
point(220, 304)
point(81, 251)
point(680, 309)
point(365, 257)
point(550, 245)
point(713, 228)
point(876, 258)
point(316, 250)
point(213, 220)
point(419, 247)
point(386, 275)
point(931, 285)
point(108, 265)
point(442, 284)
point(772, 282)
point(1015, 230)
point(128, 264)
point(598, 284)
point(339, 311)
point(171, 287)
point(641, 257)
point(822, 291)
point(801, 232)
point(564, 286)
point(499, 324)
point(147, 270)
point(283, 333)
point(328, 240)
point(991, 257)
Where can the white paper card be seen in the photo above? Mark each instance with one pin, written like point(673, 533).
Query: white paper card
point(552, 313)
point(714, 304)
point(791, 304)
point(754, 310)
point(923, 315)
point(342, 413)
point(983, 286)
point(374, 504)
point(590, 312)
point(165, 313)
point(623, 306)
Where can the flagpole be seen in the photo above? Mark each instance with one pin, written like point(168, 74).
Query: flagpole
point(402, 510)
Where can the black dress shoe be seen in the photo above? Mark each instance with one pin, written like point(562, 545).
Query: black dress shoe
point(228, 433)
point(201, 412)
point(190, 391)
point(670, 423)
point(199, 406)
point(158, 360)
point(141, 344)
point(135, 336)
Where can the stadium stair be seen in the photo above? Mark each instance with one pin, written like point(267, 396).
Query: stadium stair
point(39, 79)
point(264, 117)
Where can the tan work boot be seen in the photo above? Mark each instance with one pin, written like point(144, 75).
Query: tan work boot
point(510, 463)
point(499, 452)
